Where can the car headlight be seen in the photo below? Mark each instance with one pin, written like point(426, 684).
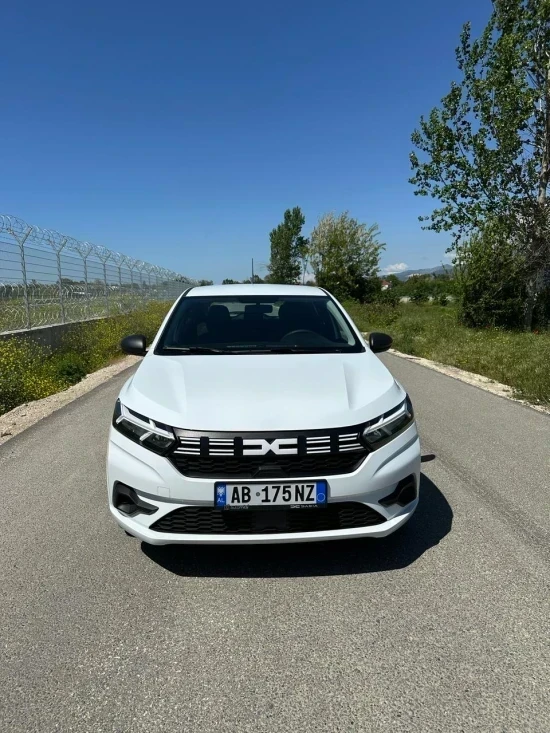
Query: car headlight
point(386, 427)
point(155, 436)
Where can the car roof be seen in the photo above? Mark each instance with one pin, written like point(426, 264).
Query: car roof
point(249, 289)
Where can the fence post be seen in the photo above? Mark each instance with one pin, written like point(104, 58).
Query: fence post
point(119, 260)
point(57, 242)
point(153, 273)
point(120, 290)
point(123, 261)
point(162, 287)
point(149, 271)
point(104, 255)
point(157, 285)
point(86, 294)
point(106, 282)
point(84, 249)
point(21, 243)
point(142, 266)
point(60, 279)
point(131, 263)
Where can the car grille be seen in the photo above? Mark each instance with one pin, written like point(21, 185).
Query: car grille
point(247, 467)
point(209, 520)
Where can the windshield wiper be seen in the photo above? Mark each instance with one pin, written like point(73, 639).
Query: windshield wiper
point(195, 350)
point(285, 350)
point(264, 350)
point(302, 350)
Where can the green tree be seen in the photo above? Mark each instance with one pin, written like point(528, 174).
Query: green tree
point(421, 290)
point(393, 280)
point(345, 255)
point(491, 280)
point(303, 258)
point(257, 279)
point(206, 282)
point(484, 154)
point(388, 297)
point(229, 281)
point(288, 247)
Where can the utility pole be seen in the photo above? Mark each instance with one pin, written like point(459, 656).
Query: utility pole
point(252, 281)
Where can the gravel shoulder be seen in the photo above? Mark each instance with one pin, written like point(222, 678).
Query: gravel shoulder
point(19, 419)
point(475, 380)
point(15, 421)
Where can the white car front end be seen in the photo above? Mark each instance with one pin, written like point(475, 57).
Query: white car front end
point(193, 433)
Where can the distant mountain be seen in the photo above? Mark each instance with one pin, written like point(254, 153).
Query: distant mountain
point(405, 275)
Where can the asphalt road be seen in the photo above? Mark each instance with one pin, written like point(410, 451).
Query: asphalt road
point(442, 627)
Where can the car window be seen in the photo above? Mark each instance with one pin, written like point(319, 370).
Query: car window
point(258, 323)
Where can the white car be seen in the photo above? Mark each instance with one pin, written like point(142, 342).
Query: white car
point(260, 415)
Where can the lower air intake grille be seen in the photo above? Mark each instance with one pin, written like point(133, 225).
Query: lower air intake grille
point(209, 520)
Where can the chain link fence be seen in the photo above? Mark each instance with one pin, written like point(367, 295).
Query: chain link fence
point(48, 278)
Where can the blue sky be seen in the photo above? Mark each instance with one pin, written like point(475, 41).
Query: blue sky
point(179, 132)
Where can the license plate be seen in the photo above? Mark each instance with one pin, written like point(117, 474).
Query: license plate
point(292, 495)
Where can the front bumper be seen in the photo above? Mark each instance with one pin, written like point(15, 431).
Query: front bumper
point(158, 482)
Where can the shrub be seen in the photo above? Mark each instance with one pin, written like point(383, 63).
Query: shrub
point(420, 294)
point(491, 280)
point(97, 342)
point(542, 311)
point(371, 316)
point(24, 373)
point(30, 372)
point(70, 367)
point(387, 297)
point(350, 286)
point(517, 359)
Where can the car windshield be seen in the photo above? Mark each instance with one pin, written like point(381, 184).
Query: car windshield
point(259, 324)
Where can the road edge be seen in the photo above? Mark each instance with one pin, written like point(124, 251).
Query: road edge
point(24, 416)
point(471, 378)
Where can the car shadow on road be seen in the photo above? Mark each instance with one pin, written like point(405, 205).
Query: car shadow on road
point(431, 522)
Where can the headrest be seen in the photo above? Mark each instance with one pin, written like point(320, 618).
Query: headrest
point(218, 315)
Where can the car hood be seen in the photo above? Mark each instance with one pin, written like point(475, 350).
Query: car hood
point(256, 392)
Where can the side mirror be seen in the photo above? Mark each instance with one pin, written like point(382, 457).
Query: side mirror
point(379, 342)
point(135, 345)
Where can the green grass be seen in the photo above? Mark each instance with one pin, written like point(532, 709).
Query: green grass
point(30, 372)
point(520, 360)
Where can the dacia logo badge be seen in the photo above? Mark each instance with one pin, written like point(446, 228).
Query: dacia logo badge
point(261, 447)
